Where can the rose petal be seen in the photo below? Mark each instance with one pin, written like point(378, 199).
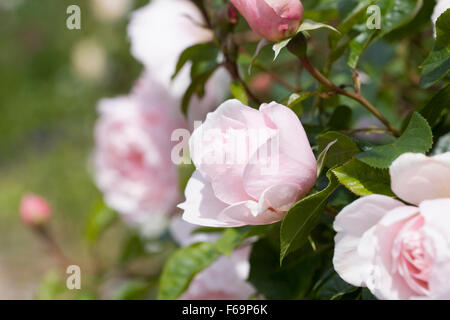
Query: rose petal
point(437, 235)
point(266, 169)
point(351, 224)
point(288, 126)
point(279, 197)
point(248, 213)
point(383, 282)
point(201, 206)
point(416, 177)
point(282, 159)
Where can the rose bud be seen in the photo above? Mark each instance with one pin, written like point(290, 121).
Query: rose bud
point(232, 15)
point(34, 210)
point(274, 20)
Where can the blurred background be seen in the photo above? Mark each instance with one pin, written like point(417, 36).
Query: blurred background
point(50, 81)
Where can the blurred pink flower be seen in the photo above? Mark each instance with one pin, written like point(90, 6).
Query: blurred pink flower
point(273, 20)
point(34, 209)
point(132, 156)
point(250, 170)
point(159, 33)
point(400, 251)
point(225, 279)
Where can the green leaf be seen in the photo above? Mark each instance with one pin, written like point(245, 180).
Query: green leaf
point(309, 25)
point(197, 87)
point(182, 267)
point(416, 25)
point(437, 65)
point(322, 157)
point(394, 14)
point(238, 91)
point(440, 102)
point(51, 287)
point(277, 47)
point(293, 280)
point(303, 217)
point(342, 151)
point(363, 180)
point(367, 295)
point(233, 237)
point(340, 119)
point(416, 138)
point(196, 54)
point(334, 288)
point(133, 248)
point(397, 13)
point(357, 47)
point(357, 15)
point(261, 44)
point(185, 171)
point(98, 221)
point(296, 100)
point(133, 290)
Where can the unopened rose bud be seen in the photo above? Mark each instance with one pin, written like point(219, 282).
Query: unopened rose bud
point(34, 210)
point(274, 20)
point(232, 15)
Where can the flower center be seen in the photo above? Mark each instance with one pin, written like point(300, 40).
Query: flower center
point(412, 260)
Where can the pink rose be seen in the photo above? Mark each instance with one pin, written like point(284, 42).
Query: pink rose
point(400, 251)
point(274, 20)
point(225, 279)
point(34, 209)
point(252, 166)
point(159, 33)
point(132, 156)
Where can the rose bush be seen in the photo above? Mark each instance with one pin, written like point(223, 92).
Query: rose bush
point(320, 166)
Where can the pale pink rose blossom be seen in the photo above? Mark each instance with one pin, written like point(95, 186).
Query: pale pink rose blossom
point(132, 156)
point(273, 20)
point(224, 279)
point(159, 33)
point(34, 209)
point(400, 251)
point(241, 180)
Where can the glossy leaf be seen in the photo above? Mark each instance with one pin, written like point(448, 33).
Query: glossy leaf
point(416, 138)
point(440, 103)
point(342, 151)
point(437, 65)
point(293, 280)
point(363, 180)
point(303, 217)
point(182, 267)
